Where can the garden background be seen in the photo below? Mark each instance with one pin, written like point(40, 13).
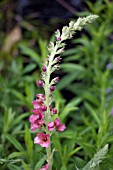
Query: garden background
point(84, 94)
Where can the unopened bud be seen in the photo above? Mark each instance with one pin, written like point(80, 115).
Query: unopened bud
point(44, 69)
point(40, 83)
point(54, 110)
point(52, 88)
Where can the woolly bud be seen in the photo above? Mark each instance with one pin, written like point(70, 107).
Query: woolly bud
point(54, 110)
point(44, 69)
point(51, 44)
point(56, 79)
point(59, 39)
point(40, 83)
point(57, 33)
point(58, 58)
point(50, 107)
point(52, 88)
point(44, 107)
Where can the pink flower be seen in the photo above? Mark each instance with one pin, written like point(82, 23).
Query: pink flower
point(59, 127)
point(42, 96)
point(37, 103)
point(36, 121)
point(42, 139)
point(50, 126)
point(45, 167)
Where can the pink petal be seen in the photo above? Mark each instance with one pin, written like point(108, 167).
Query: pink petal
point(45, 167)
point(45, 144)
point(32, 118)
point(57, 122)
point(61, 127)
point(34, 127)
point(37, 140)
point(50, 126)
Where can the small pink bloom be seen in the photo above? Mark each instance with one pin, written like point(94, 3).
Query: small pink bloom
point(52, 88)
point(54, 110)
point(40, 96)
point(36, 121)
point(57, 122)
point(37, 111)
point(42, 139)
point(33, 127)
point(36, 103)
point(32, 118)
point(50, 126)
point(45, 167)
point(59, 127)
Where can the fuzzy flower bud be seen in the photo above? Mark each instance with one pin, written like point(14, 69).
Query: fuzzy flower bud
point(44, 69)
point(50, 107)
point(59, 39)
point(52, 88)
point(44, 108)
point(58, 58)
point(54, 110)
point(40, 83)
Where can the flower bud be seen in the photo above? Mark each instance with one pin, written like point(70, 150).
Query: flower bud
point(54, 110)
point(59, 39)
point(52, 88)
point(40, 83)
point(44, 107)
point(44, 69)
point(58, 58)
point(50, 107)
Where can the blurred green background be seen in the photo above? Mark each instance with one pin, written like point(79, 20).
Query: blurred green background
point(84, 95)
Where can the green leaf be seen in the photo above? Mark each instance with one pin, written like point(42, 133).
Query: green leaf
point(25, 166)
point(13, 167)
point(70, 67)
point(17, 154)
point(29, 68)
point(40, 163)
point(92, 112)
point(31, 53)
point(68, 79)
point(14, 141)
point(29, 143)
point(66, 112)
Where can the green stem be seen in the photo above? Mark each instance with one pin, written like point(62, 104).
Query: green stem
point(47, 102)
point(48, 114)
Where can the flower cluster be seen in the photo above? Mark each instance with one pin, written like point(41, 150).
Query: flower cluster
point(43, 117)
point(37, 120)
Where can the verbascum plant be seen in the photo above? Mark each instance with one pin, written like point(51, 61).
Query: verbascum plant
point(44, 115)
